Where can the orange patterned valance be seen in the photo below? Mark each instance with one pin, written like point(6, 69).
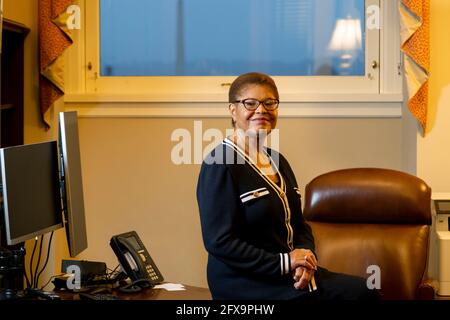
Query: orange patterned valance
point(415, 43)
point(53, 40)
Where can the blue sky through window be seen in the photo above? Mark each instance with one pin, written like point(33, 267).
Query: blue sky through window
point(227, 37)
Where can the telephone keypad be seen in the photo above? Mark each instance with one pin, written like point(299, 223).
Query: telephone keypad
point(151, 272)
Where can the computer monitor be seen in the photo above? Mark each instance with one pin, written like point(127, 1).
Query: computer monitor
point(31, 191)
point(71, 183)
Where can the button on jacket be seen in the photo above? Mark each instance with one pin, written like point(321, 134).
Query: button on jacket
point(249, 225)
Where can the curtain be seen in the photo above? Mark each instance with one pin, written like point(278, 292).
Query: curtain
point(415, 43)
point(54, 38)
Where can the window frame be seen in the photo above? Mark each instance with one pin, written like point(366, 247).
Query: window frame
point(212, 88)
point(94, 96)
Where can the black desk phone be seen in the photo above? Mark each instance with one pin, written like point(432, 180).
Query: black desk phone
point(134, 258)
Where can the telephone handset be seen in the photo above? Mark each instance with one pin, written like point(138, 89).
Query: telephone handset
point(134, 258)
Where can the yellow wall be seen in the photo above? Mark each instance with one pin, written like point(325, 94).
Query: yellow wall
point(25, 12)
point(433, 153)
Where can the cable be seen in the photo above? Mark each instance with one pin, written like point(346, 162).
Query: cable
point(31, 261)
point(38, 262)
point(52, 277)
point(46, 284)
point(48, 256)
point(113, 270)
point(26, 278)
point(110, 275)
point(136, 286)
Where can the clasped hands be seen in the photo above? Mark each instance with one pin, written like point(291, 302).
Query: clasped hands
point(303, 265)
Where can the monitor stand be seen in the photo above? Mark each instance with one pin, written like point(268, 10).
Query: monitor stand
point(12, 268)
point(11, 294)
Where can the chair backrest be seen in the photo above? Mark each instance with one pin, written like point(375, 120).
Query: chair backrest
point(369, 218)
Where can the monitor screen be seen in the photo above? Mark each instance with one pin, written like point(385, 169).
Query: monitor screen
point(72, 185)
point(31, 191)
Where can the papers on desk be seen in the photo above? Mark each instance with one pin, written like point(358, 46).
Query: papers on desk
point(170, 286)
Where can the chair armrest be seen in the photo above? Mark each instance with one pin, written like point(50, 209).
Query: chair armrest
point(427, 289)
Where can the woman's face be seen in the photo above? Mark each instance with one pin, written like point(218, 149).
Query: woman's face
point(252, 122)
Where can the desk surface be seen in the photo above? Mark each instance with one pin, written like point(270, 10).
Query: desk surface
point(191, 293)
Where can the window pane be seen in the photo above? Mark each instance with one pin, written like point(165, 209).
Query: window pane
point(230, 37)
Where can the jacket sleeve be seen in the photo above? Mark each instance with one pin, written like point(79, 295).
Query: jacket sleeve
point(221, 222)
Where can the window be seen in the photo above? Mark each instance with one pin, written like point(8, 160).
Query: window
point(190, 50)
point(230, 37)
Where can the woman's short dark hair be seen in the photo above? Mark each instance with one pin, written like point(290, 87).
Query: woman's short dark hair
point(250, 78)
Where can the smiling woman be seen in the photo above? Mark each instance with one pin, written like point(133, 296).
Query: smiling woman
point(250, 213)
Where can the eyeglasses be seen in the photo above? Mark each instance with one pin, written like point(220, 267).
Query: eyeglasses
point(253, 104)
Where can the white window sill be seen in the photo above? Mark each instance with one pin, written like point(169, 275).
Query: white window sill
point(189, 98)
point(311, 105)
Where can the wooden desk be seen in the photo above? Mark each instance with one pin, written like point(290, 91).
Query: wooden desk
point(191, 293)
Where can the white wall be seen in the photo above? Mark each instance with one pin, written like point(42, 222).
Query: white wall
point(130, 182)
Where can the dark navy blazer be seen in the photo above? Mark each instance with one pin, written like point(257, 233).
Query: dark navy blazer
point(249, 225)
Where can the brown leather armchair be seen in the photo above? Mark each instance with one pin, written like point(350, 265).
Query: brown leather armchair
point(369, 216)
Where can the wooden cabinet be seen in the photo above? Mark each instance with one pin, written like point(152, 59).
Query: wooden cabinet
point(12, 80)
